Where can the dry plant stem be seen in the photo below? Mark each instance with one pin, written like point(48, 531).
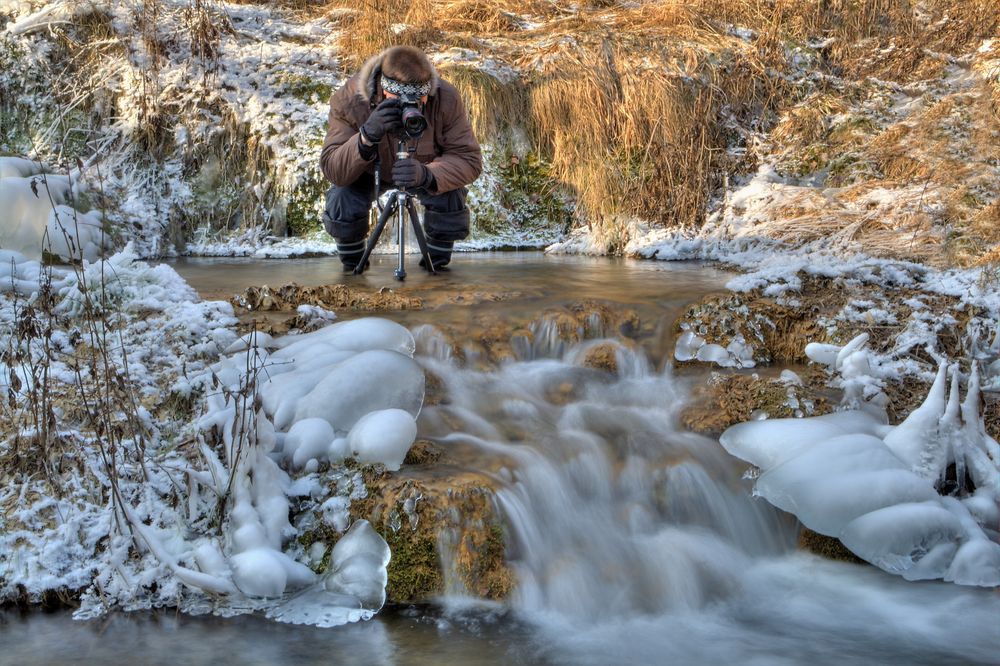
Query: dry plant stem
point(245, 421)
point(110, 405)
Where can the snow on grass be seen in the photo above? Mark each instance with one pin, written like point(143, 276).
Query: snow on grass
point(133, 520)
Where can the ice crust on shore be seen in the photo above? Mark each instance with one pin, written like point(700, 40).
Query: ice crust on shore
point(163, 540)
point(339, 373)
point(884, 490)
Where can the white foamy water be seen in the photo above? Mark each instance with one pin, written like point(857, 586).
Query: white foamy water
point(634, 541)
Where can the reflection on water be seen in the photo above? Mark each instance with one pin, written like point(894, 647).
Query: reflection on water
point(533, 274)
point(394, 638)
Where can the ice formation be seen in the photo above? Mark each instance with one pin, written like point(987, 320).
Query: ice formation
point(37, 217)
point(737, 354)
point(383, 436)
point(18, 273)
point(209, 529)
point(919, 499)
point(353, 589)
point(350, 388)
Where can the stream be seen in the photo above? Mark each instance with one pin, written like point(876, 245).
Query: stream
point(633, 541)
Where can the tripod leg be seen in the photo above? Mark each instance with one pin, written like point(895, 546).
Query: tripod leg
point(383, 218)
point(419, 233)
point(401, 210)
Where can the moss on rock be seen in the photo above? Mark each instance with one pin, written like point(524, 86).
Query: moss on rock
point(603, 356)
point(826, 546)
point(428, 520)
point(306, 89)
point(726, 400)
point(818, 309)
point(518, 197)
point(287, 298)
point(305, 206)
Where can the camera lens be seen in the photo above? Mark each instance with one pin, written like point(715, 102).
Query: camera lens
point(414, 122)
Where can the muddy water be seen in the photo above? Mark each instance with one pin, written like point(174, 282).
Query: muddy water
point(633, 541)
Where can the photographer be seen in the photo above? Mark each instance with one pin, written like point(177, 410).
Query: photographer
point(365, 124)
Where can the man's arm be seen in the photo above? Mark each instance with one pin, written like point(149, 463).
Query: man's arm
point(461, 160)
point(341, 159)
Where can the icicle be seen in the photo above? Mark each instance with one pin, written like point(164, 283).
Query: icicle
point(983, 451)
point(823, 354)
point(950, 433)
point(950, 418)
point(912, 438)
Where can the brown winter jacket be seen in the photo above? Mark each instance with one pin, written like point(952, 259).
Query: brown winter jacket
point(448, 147)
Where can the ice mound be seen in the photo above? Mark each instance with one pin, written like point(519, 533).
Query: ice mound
point(383, 436)
point(366, 382)
point(36, 216)
point(357, 335)
point(737, 354)
point(770, 442)
point(18, 167)
point(919, 499)
point(350, 388)
point(18, 273)
point(306, 440)
point(352, 589)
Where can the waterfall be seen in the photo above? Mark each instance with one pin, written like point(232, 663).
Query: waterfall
point(611, 508)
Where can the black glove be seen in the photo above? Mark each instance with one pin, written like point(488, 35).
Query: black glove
point(409, 172)
point(387, 117)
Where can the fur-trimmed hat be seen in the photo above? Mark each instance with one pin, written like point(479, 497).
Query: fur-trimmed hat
point(371, 73)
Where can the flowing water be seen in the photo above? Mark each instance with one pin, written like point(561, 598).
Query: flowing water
point(633, 541)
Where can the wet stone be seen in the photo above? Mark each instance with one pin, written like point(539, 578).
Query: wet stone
point(444, 531)
point(602, 357)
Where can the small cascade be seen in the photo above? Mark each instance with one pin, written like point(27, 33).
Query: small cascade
point(611, 509)
point(545, 341)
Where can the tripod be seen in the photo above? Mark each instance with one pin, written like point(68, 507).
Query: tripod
point(400, 204)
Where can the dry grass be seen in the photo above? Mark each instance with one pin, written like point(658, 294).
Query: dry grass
point(369, 28)
point(890, 152)
point(805, 138)
point(494, 106)
point(627, 104)
point(630, 106)
point(893, 41)
point(479, 16)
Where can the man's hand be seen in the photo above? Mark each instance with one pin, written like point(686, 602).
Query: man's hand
point(387, 117)
point(409, 172)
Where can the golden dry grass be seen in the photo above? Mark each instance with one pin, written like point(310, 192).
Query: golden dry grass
point(808, 121)
point(494, 106)
point(628, 104)
point(614, 125)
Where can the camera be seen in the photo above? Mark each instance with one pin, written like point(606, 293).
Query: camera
point(414, 122)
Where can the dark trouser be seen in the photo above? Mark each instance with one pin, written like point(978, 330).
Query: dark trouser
point(446, 220)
